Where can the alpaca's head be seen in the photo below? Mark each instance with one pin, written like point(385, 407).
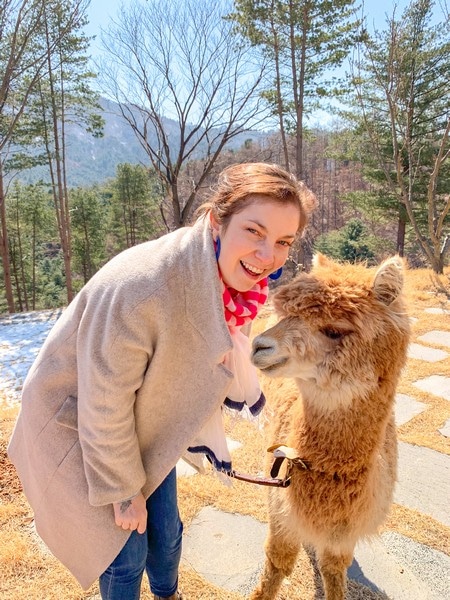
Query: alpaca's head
point(343, 330)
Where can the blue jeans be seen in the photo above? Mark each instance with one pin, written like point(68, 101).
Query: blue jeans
point(157, 551)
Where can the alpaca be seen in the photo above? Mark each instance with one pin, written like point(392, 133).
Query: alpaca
point(342, 338)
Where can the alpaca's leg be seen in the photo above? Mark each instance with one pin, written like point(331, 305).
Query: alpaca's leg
point(281, 556)
point(333, 569)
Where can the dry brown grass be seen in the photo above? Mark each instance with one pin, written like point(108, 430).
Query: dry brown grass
point(28, 572)
point(424, 289)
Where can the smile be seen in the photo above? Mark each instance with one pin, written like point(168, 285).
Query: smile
point(252, 270)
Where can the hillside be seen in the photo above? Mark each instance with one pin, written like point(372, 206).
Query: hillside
point(93, 160)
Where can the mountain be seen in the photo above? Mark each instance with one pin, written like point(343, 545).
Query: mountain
point(93, 160)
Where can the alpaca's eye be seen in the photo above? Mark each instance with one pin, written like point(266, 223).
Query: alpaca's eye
point(333, 334)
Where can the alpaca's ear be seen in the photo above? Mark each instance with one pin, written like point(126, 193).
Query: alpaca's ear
point(320, 260)
point(388, 282)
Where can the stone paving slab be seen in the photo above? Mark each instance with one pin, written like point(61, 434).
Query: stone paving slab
point(432, 568)
point(439, 338)
point(376, 568)
point(419, 352)
point(424, 481)
point(227, 550)
point(439, 385)
point(406, 408)
point(185, 470)
point(445, 430)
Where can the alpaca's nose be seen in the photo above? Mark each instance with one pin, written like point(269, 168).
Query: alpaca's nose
point(262, 346)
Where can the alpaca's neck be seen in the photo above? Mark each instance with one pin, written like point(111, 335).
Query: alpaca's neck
point(348, 430)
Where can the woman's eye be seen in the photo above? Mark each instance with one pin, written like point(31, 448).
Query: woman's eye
point(332, 334)
point(285, 243)
point(254, 231)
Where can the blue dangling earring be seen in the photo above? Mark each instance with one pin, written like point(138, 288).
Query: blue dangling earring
point(276, 274)
point(217, 244)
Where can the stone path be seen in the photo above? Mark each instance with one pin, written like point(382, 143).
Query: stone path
point(424, 481)
point(394, 565)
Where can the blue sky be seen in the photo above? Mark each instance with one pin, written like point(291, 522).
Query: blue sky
point(100, 11)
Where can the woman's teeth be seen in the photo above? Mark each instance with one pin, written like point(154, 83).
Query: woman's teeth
point(252, 270)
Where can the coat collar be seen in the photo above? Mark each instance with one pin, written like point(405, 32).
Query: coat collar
point(203, 291)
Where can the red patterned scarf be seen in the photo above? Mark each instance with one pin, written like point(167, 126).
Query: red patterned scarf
point(242, 307)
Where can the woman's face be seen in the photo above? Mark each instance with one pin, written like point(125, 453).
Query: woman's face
point(256, 241)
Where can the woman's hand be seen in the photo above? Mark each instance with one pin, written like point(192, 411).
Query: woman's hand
point(131, 514)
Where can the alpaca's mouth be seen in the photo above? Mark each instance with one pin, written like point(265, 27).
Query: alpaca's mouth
point(272, 366)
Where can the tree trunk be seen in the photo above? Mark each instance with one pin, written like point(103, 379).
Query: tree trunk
point(23, 284)
point(64, 200)
point(280, 108)
point(298, 88)
point(4, 247)
point(15, 273)
point(401, 230)
point(33, 277)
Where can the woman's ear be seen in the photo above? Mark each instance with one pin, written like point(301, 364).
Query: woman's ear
point(214, 226)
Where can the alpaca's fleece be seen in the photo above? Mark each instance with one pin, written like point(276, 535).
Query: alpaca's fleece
point(339, 347)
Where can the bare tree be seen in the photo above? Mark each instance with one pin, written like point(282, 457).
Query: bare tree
point(185, 87)
point(19, 22)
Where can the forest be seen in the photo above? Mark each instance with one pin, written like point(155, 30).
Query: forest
point(199, 85)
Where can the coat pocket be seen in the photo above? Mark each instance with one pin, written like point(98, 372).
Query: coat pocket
point(68, 413)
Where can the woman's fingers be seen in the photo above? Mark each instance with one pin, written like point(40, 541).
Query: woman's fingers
point(131, 514)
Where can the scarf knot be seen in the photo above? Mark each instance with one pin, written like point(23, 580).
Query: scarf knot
point(242, 307)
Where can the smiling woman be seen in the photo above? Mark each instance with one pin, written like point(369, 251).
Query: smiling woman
point(256, 213)
point(256, 241)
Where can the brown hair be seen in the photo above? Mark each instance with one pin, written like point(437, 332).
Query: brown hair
point(238, 184)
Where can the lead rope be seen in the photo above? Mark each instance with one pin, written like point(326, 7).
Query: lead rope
point(281, 453)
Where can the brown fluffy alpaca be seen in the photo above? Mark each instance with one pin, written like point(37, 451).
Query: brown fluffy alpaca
point(343, 338)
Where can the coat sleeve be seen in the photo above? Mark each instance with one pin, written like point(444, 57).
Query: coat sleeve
point(115, 346)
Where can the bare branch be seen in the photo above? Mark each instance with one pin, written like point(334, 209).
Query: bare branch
point(183, 84)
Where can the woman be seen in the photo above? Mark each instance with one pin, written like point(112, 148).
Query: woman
point(135, 372)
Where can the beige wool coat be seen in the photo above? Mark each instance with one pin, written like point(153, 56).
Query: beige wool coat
point(127, 377)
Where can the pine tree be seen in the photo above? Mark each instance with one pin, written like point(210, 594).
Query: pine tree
point(135, 205)
point(42, 57)
point(20, 68)
point(303, 40)
point(31, 227)
point(88, 221)
point(401, 81)
point(63, 95)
